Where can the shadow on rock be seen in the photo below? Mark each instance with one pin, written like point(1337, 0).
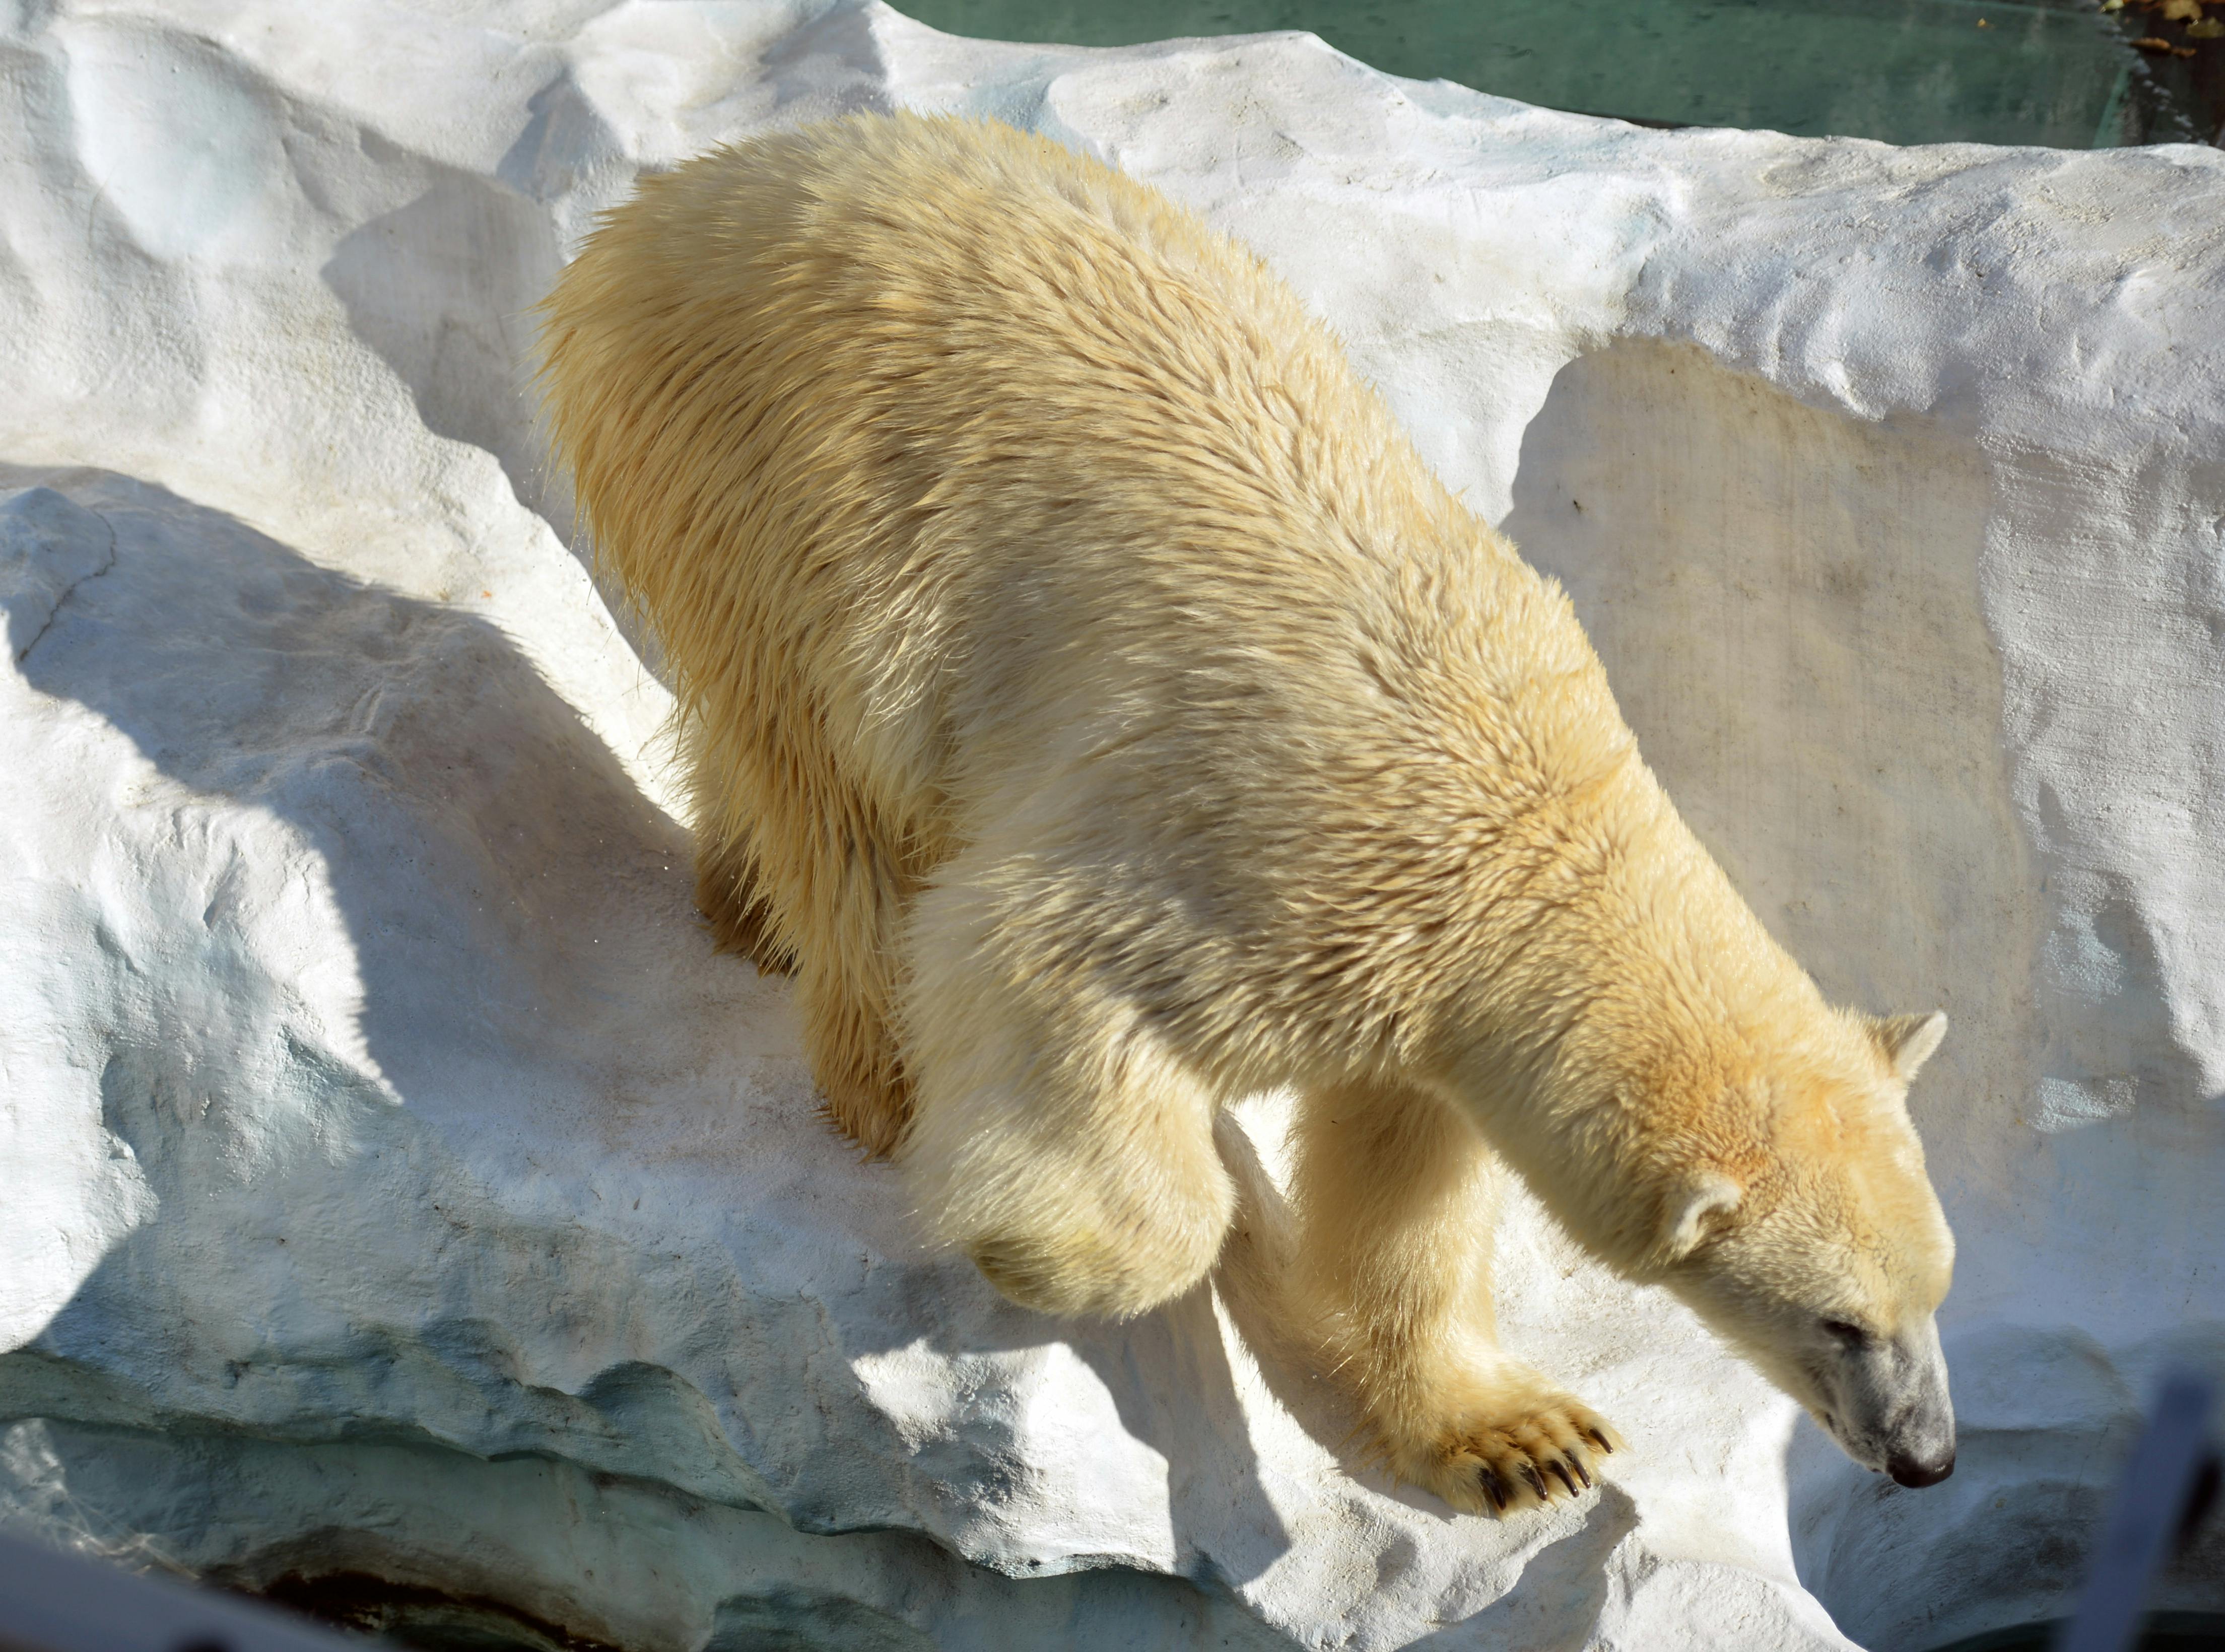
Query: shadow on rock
point(473, 830)
point(1564, 1592)
point(443, 289)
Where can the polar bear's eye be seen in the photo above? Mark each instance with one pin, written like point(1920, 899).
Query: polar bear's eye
point(1852, 1335)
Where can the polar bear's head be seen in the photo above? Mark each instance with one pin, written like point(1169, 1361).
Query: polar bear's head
point(1823, 1256)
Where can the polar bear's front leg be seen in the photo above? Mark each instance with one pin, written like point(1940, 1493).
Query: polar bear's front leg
point(1395, 1195)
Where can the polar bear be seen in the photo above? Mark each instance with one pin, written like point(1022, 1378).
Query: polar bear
point(1092, 696)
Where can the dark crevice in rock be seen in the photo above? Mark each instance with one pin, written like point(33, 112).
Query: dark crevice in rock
point(419, 1616)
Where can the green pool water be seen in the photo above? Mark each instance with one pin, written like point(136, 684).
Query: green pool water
point(2054, 71)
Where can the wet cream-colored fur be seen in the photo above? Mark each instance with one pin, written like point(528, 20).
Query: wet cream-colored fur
point(1094, 698)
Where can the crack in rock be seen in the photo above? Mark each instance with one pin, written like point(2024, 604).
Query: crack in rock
point(49, 545)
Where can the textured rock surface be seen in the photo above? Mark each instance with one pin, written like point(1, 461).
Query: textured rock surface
point(395, 1184)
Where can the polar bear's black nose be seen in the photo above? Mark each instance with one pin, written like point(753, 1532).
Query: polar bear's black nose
point(1908, 1471)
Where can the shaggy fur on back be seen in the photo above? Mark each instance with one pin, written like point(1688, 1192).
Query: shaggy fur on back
point(1092, 696)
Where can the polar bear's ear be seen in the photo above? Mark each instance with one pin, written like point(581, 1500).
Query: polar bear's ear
point(1691, 1211)
point(1908, 1041)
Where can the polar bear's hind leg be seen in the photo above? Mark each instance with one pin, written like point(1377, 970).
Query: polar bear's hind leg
point(733, 903)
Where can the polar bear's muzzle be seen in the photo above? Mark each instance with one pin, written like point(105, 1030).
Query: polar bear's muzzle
point(1890, 1408)
point(1920, 1447)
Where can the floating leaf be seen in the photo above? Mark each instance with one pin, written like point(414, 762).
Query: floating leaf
point(2153, 43)
point(2181, 11)
point(2208, 28)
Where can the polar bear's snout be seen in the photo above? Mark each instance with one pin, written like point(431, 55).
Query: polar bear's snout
point(1920, 1447)
point(1893, 1412)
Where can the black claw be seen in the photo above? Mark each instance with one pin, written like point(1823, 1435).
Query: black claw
point(1560, 1469)
point(1492, 1490)
point(1536, 1482)
point(1582, 1469)
point(1600, 1440)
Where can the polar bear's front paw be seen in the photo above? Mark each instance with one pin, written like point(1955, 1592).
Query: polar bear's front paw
point(1522, 1448)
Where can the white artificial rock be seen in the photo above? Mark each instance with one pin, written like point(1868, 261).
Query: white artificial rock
point(397, 1185)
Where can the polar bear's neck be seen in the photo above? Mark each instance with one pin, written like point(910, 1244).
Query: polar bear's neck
point(1594, 984)
point(1634, 1030)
